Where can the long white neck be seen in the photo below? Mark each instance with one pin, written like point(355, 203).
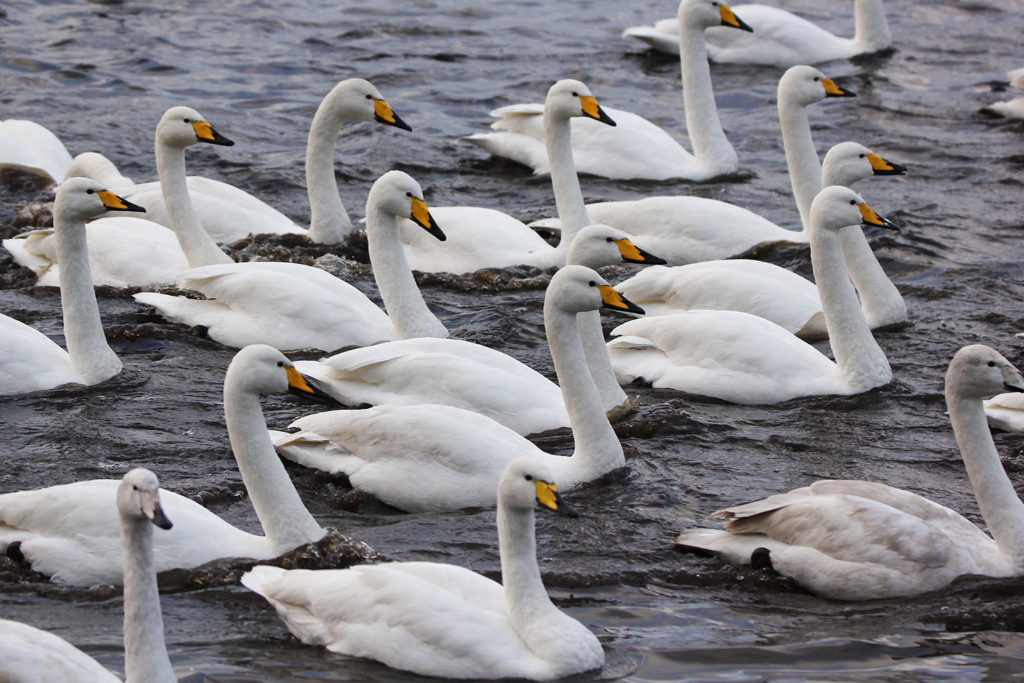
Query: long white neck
point(526, 599)
point(801, 157)
point(330, 222)
point(592, 338)
point(145, 654)
point(1000, 506)
point(598, 450)
point(872, 30)
point(402, 298)
point(862, 363)
point(572, 210)
point(710, 146)
point(199, 247)
point(91, 356)
point(286, 522)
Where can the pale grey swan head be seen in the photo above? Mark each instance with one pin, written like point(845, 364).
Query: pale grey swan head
point(568, 98)
point(850, 162)
point(356, 99)
point(138, 497)
point(708, 13)
point(260, 369)
point(528, 482)
point(979, 372)
point(398, 194)
point(805, 85)
point(181, 127)
point(598, 245)
point(79, 199)
point(575, 289)
point(836, 207)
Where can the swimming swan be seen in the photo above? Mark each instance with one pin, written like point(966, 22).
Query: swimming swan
point(29, 146)
point(440, 619)
point(428, 458)
point(28, 654)
point(295, 306)
point(83, 549)
point(635, 148)
point(779, 38)
point(742, 358)
point(859, 540)
point(29, 360)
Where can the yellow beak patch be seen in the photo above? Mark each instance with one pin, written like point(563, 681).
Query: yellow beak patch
point(629, 251)
point(869, 216)
point(297, 381)
point(420, 213)
point(111, 200)
point(590, 107)
point(204, 131)
point(878, 163)
point(546, 494)
point(382, 110)
point(611, 297)
point(831, 88)
point(728, 18)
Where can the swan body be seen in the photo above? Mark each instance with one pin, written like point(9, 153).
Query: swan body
point(859, 540)
point(293, 306)
point(685, 229)
point(428, 458)
point(742, 358)
point(28, 654)
point(439, 619)
point(636, 148)
point(1006, 412)
point(84, 548)
point(1011, 109)
point(30, 361)
point(29, 146)
point(779, 38)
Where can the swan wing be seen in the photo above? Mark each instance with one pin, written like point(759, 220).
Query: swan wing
point(31, 361)
point(780, 38)
point(29, 654)
point(28, 144)
point(1006, 412)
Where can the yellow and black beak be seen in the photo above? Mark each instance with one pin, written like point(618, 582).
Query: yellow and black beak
point(615, 301)
point(730, 19)
point(421, 216)
point(833, 90)
point(869, 217)
point(300, 385)
point(117, 203)
point(882, 167)
point(383, 113)
point(634, 254)
point(547, 495)
point(206, 133)
point(593, 110)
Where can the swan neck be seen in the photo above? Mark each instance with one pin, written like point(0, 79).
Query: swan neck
point(402, 298)
point(330, 222)
point(710, 146)
point(196, 243)
point(286, 522)
point(879, 299)
point(572, 210)
point(600, 365)
point(526, 599)
point(872, 29)
point(801, 156)
point(91, 357)
point(1002, 509)
point(145, 653)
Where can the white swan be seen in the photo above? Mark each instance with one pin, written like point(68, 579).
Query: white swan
point(1006, 412)
point(440, 619)
point(859, 540)
point(774, 293)
point(83, 548)
point(291, 305)
point(635, 148)
point(229, 213)
point(28, 146)
point(28, 654)
point(684, 229)
point(435, 457)
point(29, 360)
point(742, 358)
point(1011, 109)
point(484, 238)
point(779, 38)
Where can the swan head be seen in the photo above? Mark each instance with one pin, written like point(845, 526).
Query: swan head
point(98, 167)
point(79, 199)
point(526, 483)
point(707, 13)
point(575, 289)
point(569, 98)
point(804, 85)
point(181, 127)
point(600, 245)
point(396, 193)
point(978, 372)
point(836, 207)
point(138, 497)
point(356, 99)
point(260, 369)
point(849, 162)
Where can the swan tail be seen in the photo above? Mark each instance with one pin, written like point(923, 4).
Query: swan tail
point(26, 250)
point(179, 309)
point(654, 38)
point(734, 548)
point(314, 451)
point(515, 146)
point(257, 577)
point(513, 110)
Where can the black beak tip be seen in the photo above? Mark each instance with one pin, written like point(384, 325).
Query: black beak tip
point(318, 395)
point(651, 259)
point(436, 231)
point(1013, 388)
point(128, 206)
point(744, 26)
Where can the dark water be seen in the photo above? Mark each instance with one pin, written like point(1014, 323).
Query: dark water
point(101, 74)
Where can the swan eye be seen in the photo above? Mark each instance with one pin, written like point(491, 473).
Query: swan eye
point(408, 194)
point(816, 79)
point(135, 487)
point(529, 477)
point(592, 283)
point(280, 363)
point(853, 202)
point(575, 94)
point(608, 239)
point(188, 120)
point(90, 191)
point(863, 155)
point(369, 97)
point(991, 363)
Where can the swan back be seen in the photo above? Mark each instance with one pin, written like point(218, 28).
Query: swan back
point(978, 372)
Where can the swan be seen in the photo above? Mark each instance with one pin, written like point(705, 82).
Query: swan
point(29, 360)
point(635, 148)
point(293, 306)
point(1011, 109)
point(28, 654)
point(779, 38)
point(860, 540)
point(485, 238)
point(684, 229)
point(431, 457)
point(474, 377)
point(1006, 412)
point(28, 146)
point(229, 213)
point(440, 619)
point(83, 549)
point(742, 358)
point(769, 291)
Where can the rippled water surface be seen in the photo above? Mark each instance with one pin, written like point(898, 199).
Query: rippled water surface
point(101, 74)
